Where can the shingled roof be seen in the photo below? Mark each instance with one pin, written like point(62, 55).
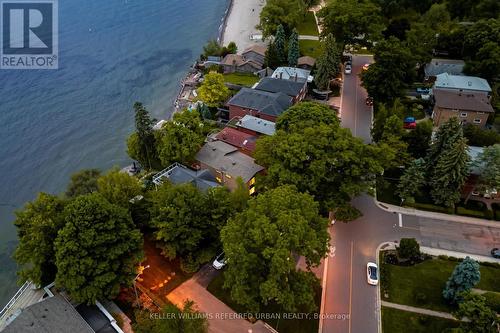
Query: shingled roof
point(456, 100)
point(237, 138)
point(273, 104)
point(289, 87)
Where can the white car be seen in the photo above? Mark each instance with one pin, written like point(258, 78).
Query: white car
point(372, 273)
point(348, 69)
point(220, 261)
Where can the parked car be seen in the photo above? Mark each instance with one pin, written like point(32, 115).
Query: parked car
point(495, 253)
point(220, 261)
point(491, 193)
point(366, 66)
point(423, 91)
point(372, 273)
point(348, 69)
point(409, 123)
point(369, 101)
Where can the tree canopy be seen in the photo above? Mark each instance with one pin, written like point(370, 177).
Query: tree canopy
point(83, 182)
point(328, 63)
point(464, 277)
point(141, 145)
point(488, 163)
point(118, 187)
point(480, 318)
point(213, 91)
point(287, 13)
point(97, 249)
point(261, 242)
point(293, 49)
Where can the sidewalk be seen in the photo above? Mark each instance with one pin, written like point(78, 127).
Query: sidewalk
point(438, 252)
point(438, 216)
point(427, 312)
point(308, 37)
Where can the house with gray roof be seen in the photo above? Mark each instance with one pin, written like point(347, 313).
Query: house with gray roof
point(227, 164)
point(462, 83)
point(293, 73)
point(179, 174)
point(258, 103)
point(295, 89)
point(441, 66)
point(255, 126)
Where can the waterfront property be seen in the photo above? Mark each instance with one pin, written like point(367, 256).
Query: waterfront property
point(293, 73)
point(180, 174)
point(228, 164)
point(249, 61)
point(295, 89)
point(245, 142)
point(255, 126)
point(257, 103)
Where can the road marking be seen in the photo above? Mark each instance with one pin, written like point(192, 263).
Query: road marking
point(356, 106)
point(323, 294)
point(332, 251)
point(400, 220)
point(350, 289)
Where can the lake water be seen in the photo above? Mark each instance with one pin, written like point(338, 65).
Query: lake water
point(55, 122)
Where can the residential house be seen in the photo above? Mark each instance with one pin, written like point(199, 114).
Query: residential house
point(250, 61)
point(473, 187)
point(228, 164)
point(295, 89)
point(256, 53)
point(471, 107)
point(441, 66)
point(245, 142)
point(293, 73)
point(306, 62)
point(180, 174)
point(258, 103)
point(255, 126)
point(459, 83)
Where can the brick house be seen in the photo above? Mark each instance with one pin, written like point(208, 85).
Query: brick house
point(470, 107)
point(255, 126)
point(295, 89)
point(258, 103)
point(461, 83)
point(245, 142)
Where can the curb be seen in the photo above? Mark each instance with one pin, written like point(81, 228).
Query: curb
point(438, 216)
point(378, 306)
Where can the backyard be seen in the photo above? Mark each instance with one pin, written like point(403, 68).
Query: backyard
point(308, 26)
point(398, 321)
point(241, 79)
point(310, 48)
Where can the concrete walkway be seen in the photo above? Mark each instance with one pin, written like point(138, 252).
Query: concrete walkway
point(308, 37)
point(439, 216)
point(438, 252)
point(427, 312)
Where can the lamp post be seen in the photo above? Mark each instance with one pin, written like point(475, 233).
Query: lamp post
point(141, 270)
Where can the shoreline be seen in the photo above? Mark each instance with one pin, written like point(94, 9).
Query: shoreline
point(223, 26)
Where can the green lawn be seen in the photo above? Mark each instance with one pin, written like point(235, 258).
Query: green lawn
point(310, 48)
point(397, 321)
point(308, 26)
point(421, 285)
point(281, 325)
point(242, 79)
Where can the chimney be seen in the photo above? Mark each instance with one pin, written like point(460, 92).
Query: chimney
point(296, 76)
point(281, 75)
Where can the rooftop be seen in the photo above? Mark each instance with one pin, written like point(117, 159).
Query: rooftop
point(448, 81)
point(306, 60)
point(237, 138)
point(260, 49)
point(265, 102)
point(292, 73)
point(440, 66)
point(464, 100)
point(179, 174)
point(224, 157)
point(289, 87)
point(257, 125)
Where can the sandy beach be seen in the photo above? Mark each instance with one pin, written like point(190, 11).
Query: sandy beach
point(241, 22)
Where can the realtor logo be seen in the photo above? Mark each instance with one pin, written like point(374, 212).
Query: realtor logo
point(28, 34)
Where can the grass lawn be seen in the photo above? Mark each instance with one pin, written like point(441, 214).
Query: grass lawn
point(397, 321)
point(308, 26)
point(310, 48)
point(421, 285)
point(242, 79)
point(281, 325)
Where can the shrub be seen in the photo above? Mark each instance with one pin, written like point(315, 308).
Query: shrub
point(464, 277)
point(408, 248)
point(493, 300)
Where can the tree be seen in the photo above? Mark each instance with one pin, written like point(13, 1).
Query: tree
point(213, 91)
point(212, 48)
point(328, 63)
point(488, 163)
point(392, 140)
point(394, 68)
point(480, 34)
point(293, 49)
point(231, 48)
point(485, 63)
point(83, 182)
point(419, 139)
point(437, 18)
point(180, 139)
point(316, 157)
point(141, 145)
point(352, 20)
point(346, 213)
point(412, 181)
point(446, 135)
point(118, 187)
point(278, 225)
point(464, 277)
point(37, 227)
point(279, 44)
point(408, 248)
point(97, 250)
point(477, 136)
point(271, 59)
point(287, 13)
point(185, 320)
point(421, 40)
point(481, 318)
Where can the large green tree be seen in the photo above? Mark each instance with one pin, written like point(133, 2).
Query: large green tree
point(180, 139)
point(412, 181)
point(419, 139)
point(118, 187)
point(293, 49)
point(488, 163)
point(261, 243)
point(288, 13)
point(394, 68)
point(392, 141)
point(97, 249)
point(83, 182)
point(37, 227)
point(306, 114)
point(141, 145)
point(213, 91)
point(465, 276)
point(480, 318)
point(328, 63)
point(280, 44)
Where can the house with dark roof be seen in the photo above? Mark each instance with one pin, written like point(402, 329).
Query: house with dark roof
point(470, 107)
point(441, 66)
point(295, 89)
point(179, 174)
point(258, 103)
point(255, 126)
point(245, 142)
point(256, 53)
point(251, 60)
point(293, 73)
point(306, 62)
point(227, 164)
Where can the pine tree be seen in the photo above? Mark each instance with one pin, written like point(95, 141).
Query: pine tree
point(464, 277)
point(293, 49)
point(328, 63)
point(412, 181)
point(141, 144)
point(271, 59)
point(445, 136)
point(279, 44)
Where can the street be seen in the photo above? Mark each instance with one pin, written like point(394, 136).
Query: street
point(350, 303)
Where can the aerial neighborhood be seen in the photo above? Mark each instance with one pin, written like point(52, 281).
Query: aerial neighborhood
point(335, 171)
